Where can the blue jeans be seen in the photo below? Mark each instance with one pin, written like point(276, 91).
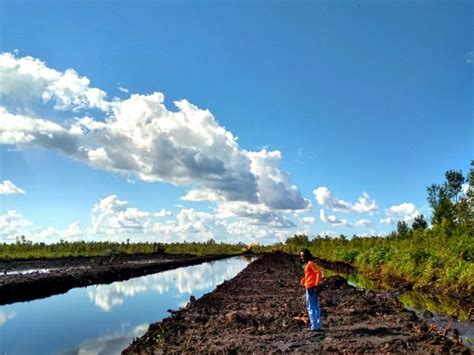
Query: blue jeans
point(312, 304)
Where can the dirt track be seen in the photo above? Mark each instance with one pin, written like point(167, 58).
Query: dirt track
point(64, 274)
point(262, 310)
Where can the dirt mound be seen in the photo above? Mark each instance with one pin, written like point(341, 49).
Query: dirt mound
point(263, 310)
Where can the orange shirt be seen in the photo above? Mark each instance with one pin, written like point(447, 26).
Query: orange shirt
point(312, 275)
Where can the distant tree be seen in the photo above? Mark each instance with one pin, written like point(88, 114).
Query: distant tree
point(402, 229)
point(470, 188)
point(419, 223)
point(453, 184)
point(451, 207)
point(441, 205)
point(298, 239)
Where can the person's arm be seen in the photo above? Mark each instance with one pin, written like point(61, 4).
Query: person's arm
point(303, 280)
point(317, 273)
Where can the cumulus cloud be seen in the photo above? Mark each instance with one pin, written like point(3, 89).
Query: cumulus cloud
point(113, 216)
point(364, 203)
point(27, 80)
point(335, 222)
point(308, 220)
point(363, 223)
point(202, 195)
point(405, 211)
point(114, 219)
point(9, 188)
point(141, 138)
point(274, 187)
point(12, 225)
point(259, 214)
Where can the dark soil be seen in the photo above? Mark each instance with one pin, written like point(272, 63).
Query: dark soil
point(262, 310)
point(66, 273)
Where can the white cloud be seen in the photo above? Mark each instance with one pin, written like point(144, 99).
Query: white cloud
point(405, 211)
point(257, 214)
point(124, 90)
point(9, 188)
point(308, 220)
point(363, 223)
point(387, 220)
point(162, 213)
point(274, 186)
point(12, 225)
point(26, 81)
point(335, 222)
point(113, 216)
point(364, 203)
point(202, 195)
point(140, 138)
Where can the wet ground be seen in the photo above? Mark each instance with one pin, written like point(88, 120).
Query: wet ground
point(262, 310)
point(25, 280)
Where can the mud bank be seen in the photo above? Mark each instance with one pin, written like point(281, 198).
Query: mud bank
point(263, 310)
point(26, 280)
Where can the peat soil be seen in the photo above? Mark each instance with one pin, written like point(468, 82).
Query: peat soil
point(262, 310)
point(26, 280)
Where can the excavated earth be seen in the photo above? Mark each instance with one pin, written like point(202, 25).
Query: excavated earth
point(26, 280)
point(262, 310)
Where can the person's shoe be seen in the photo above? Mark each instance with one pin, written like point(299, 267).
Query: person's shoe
point(317, 332)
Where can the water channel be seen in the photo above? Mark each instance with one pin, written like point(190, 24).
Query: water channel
point(103, 319)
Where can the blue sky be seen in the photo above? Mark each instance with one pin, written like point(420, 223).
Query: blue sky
point(323, 117)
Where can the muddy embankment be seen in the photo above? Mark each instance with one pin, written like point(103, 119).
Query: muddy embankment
point(263, 310)
point(26, 280)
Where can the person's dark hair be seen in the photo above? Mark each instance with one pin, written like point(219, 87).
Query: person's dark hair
point(307, 254)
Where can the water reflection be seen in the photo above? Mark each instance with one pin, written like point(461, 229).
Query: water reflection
point(108, 344)
point(103, 319)
point(183, 281)
point(6, 316)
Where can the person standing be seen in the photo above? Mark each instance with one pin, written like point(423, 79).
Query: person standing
point(312, 278)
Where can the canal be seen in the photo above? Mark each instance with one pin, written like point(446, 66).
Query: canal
point(103, 319)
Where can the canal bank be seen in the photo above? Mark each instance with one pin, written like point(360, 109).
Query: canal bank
point(262, 309)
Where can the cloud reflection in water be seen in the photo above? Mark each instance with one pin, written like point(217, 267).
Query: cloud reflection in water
point(186, 280)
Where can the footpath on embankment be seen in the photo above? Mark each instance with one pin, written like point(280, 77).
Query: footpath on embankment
point(262, 310)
